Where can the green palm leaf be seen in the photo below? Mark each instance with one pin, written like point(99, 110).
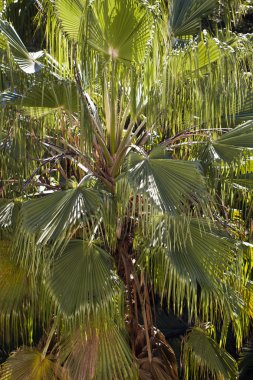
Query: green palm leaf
point(49, 97)
point(13, 281)
point(6, 210)
point(120, 29)
point(245, 112)
point(28, 62)
point(15, 296)
point(231, 145)
point(202, 55)
point(186, 15)
point(52, 219)
point(242, 136)
point(30, 364)
point(185, 254)
point(8, 97)
point(82, 280)
point(244, 182)
point(9, 211)
point(202, 354)
point(70, 16)
point(168, 184)
point(53, 215)
point(204, 257)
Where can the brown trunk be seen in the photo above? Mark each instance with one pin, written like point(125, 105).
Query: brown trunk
point(156, 358)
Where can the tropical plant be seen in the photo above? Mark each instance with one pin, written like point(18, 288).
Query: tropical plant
point(126, 182)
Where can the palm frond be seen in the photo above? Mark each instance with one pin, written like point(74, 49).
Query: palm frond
point(193, 263)
point(53, 219)
point(203, 355)
point(105, 354)
point(29, 363)
point(120, 30)
point(168, 184)
point(246, 362)
point(82, 280)
point(241, 136)
point(231, 145)
point(45, 98)
point(245, 112)
point(28, 62)
point(13, 281)
point(8, 97)
point(6, 210)
point(16, 291)
point(70, 14)
point(186, 15)
point(203, 55)
point(9, 211)
point(245, 182)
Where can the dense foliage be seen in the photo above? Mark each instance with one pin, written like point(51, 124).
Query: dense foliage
point(126, 177)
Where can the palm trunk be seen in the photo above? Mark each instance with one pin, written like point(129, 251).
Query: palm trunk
point(156, 358)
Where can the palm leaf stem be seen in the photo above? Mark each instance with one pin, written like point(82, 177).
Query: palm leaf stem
point(46, 161)
point(48, 341)
point(184, 135)
point(39, 5)
point(124, 145)
point(104, 148)
point(126, 140)
point(113, 110)
point(118, 161)
point(92, 122)
point(122, 152)
point(139, 128)
point(69, 156)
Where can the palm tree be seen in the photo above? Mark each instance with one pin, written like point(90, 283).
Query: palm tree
point(126, 184)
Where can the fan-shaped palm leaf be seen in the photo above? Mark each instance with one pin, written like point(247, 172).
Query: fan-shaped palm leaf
point(52, 215)
point(185, 254)
point(231, 145)
point(203, 354)
point(48, 97)
point(204, 248)
point(30, 364)
point(53, 218)
point(8, 97)
point(105, 354)
point(119, 29)
point(70, 15)
point(28, 62)
point(14, 298)
point(82, 279)
point(169, 184)
point(13, 282)
point(246, 111)
point(205, 53)
point(242, 136)
point(186, 15)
